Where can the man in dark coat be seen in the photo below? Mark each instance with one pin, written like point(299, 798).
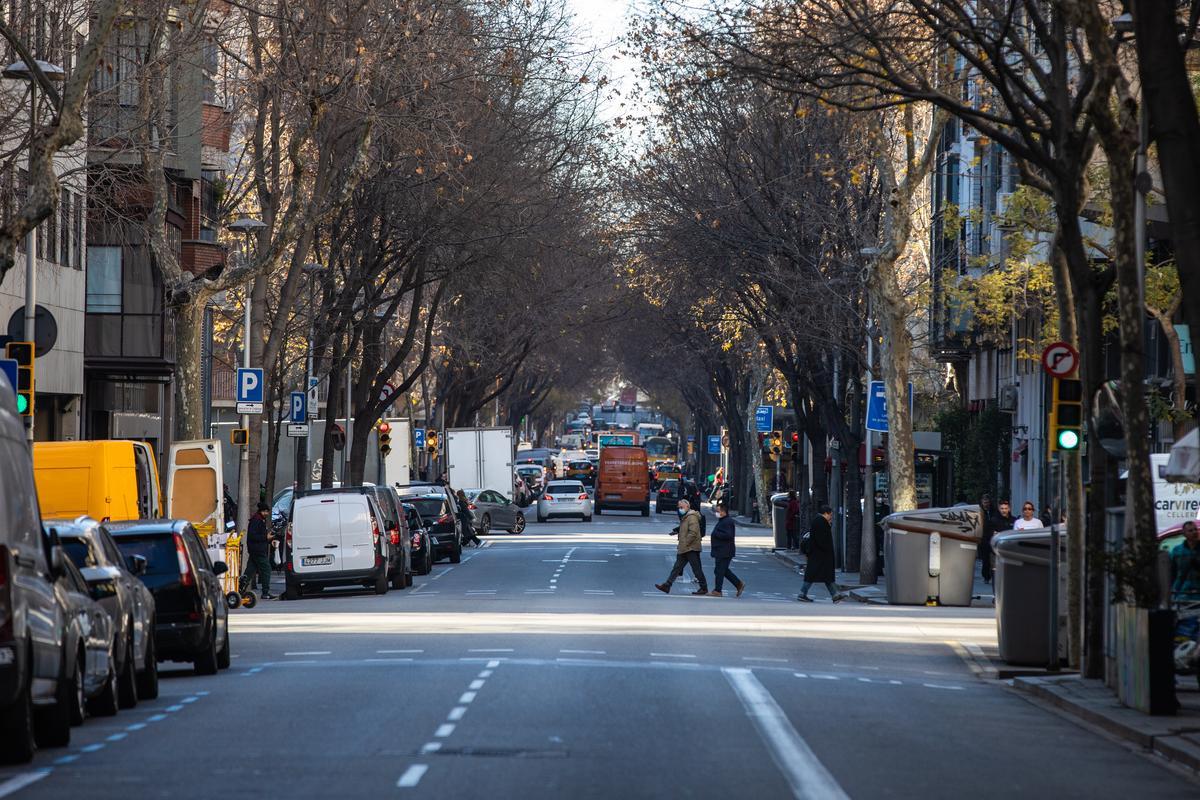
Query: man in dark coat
point(819, 568)
point(995, 523)
point(258, 551)
point(723, 551)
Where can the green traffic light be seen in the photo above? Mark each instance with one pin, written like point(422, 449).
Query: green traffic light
point(22, 403)
point(1068, 440)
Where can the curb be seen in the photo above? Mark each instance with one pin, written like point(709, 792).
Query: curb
point(1170, 745)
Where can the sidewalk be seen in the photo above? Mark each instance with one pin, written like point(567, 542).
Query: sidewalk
point(1176, 739)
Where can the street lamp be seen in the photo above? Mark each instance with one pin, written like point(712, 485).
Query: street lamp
point(20, 71)
point(247, 227)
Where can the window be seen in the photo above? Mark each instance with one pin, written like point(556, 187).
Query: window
point(104, 280)
point(64, 229)
point(77, 259)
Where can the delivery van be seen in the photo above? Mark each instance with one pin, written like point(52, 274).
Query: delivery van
point(111, 479)
point(623, 481)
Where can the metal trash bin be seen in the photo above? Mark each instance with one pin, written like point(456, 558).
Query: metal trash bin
point(930, 555)
point(1022, 579)
point(779, 502)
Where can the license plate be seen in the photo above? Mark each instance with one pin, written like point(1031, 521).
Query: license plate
point(612, 497)
point(315, 561)
point(7, 656)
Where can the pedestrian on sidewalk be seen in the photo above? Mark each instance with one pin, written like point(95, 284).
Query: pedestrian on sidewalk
point(793, 521)
point(1027, 521)
point(1000, 522)
point(258, 552)
point(819, 568)
point(723, 551)
point(687, 551)
point(1185, 565)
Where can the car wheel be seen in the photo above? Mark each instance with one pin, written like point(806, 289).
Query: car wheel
point(52, 724)
point(128, 681)
point(205, 662)
point(588, 518)
point(518, 523)
point(427, 563)
point(408, 578)
point(398, 582)
point(456, 553)
point(381, 584)
point(292, 591)
point(78, 698)
point(485, 525)
point(646, 510)
point(598, 510)
point(105, 704)
point(147, 679)
point(225, 657)
point(17, 743)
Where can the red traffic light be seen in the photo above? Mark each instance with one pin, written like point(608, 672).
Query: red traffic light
point(385, 428)
point(795, 438)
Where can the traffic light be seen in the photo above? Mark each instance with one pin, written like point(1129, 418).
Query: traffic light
point(338, 435)
point(1066, 415)
point(22, 353)
point(240, 437)
point(431, 442)
point(385, 438)
point(776, 444)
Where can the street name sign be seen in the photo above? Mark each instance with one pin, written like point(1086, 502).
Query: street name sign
point(877, 406)
point(714, 445)
point(764, 419)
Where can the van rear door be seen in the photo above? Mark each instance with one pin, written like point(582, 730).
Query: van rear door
point(194, 488)
point(316, 534)
point(357, 534)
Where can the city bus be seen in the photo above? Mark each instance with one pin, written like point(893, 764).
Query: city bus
point(661, 448)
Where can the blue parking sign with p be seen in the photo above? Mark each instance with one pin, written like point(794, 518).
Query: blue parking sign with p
point(419, 438)
point(299, 407)
point(249, 385)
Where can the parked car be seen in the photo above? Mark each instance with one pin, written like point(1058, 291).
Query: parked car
point(564, 499)
point(112, 579)
point(88, 635)
point(493, 510)
point(441, 523)
point(191, 620)
point(336, 538)
point(399, 546)
point(35, 690)
point(422, 542)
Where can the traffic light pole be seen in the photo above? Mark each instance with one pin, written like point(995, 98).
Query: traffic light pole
point(30, 261)
point(243, 519)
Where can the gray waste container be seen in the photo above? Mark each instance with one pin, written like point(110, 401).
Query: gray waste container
point(779, 503)
point(930, 555)
point(1023, 595)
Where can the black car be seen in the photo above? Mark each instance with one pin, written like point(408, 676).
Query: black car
point(191, 620)
point(441, 524)
point(668, 496)
point(422, 543)
point(400, 557)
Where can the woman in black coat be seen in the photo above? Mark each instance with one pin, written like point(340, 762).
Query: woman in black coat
point(819, 568)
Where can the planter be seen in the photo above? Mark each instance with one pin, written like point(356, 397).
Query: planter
point(1144, 655)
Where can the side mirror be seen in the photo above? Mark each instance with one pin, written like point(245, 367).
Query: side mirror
point(219, 568)
point(137, 565)
point(58, 559)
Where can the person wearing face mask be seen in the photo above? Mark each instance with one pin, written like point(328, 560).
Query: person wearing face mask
point(1027, 521)
point(687, 551)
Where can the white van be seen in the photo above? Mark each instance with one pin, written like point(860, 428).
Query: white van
point(336, 539)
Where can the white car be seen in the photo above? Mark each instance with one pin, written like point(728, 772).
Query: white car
point(564, 499)
point(337, 539)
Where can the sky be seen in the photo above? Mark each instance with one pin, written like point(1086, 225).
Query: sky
point(600, 24)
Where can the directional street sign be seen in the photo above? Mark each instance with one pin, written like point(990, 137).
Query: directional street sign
point(297, 431)
point(764, 419)
point(419, 438)
point(8, 366)
point(299, 408)
point(877, 406)
point(1060, 360)
point(249, 390)
point(714, 445)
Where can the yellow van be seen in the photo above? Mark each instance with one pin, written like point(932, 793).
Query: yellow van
point(109, 479)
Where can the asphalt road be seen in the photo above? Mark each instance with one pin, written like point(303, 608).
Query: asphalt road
point(547, 665)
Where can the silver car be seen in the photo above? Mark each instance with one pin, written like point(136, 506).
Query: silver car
point(564, 499)
point(114, 582)
point(493, 511)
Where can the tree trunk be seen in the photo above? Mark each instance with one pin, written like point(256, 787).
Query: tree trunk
point(758, 383)
point(1175, 130)
point(1178, 376)
point(895, 358)
point(189, 399)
